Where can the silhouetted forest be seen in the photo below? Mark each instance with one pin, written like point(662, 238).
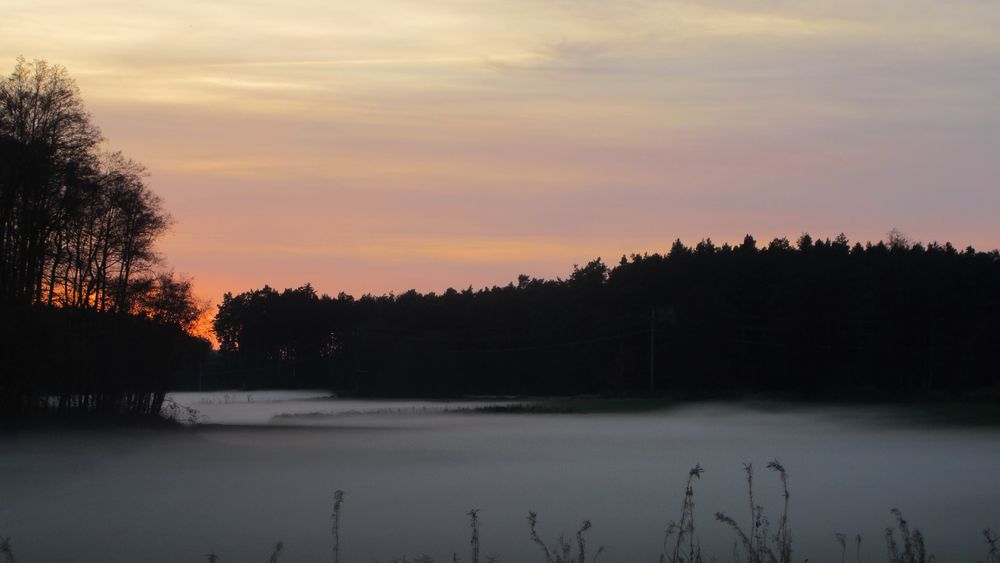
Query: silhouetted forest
point(821, 318)
point(88, 322)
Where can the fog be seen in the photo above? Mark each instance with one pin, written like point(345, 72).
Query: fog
point(247, 477)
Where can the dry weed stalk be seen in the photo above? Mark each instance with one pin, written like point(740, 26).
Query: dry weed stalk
point(276, 552)
point(338, 502)
point(685, 528)
point(562, 551)
point(759, 546)
point(842, 541)
point(912, 549)
point(993, 555)
point(474, 541)
point(7, 551)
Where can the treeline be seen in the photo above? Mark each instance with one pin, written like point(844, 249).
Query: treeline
point(821, 318)
point(89, 322)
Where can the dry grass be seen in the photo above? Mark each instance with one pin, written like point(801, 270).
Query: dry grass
point(755, 542)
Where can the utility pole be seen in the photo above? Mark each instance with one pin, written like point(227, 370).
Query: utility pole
point(652, 349)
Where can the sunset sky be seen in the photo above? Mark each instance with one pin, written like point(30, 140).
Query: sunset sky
point(381, 145)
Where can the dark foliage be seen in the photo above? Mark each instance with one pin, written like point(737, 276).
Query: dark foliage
point(75, 362)
point(87, 323)
point(821, 318)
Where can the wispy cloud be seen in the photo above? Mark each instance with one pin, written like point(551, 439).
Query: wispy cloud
point(526, 133)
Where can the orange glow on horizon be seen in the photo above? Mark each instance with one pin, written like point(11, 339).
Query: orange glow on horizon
point(390, 145)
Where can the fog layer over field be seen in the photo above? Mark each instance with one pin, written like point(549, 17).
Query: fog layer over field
point(411, 470)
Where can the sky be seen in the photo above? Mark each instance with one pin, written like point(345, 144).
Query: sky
point(385, 145)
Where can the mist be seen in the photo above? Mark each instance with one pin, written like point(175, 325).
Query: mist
point(246, 477)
